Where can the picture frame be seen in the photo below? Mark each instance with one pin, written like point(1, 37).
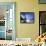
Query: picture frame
point(42, 1)
point(27, 17)
point(42, 22)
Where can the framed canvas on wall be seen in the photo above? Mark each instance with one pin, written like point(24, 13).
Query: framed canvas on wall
point(27, 17)
point(42, 22)
point(42, 1)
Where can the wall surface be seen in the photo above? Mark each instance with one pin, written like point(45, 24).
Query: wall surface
point(27, 30)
